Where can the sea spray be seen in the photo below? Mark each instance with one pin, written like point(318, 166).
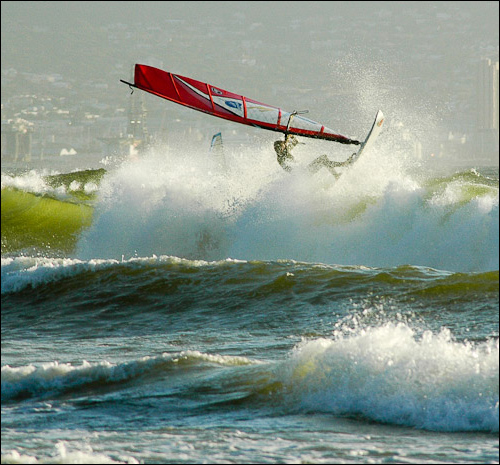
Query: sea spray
point(180, 201)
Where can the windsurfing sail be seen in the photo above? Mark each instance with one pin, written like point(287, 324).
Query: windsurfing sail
point(217, 150)
point(227, 105)
point(216, 144)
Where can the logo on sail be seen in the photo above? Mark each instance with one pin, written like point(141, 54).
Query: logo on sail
point(232, 104)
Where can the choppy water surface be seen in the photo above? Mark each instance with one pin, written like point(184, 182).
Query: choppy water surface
point(169, 310)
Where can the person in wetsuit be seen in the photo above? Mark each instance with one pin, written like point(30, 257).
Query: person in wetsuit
point(283, 151)
point(284, 156)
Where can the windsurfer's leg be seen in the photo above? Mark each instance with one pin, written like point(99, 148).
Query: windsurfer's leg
point(323, 161)
point(317, 164)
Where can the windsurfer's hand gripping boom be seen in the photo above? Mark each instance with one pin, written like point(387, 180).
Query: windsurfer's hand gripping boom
point(283, 149)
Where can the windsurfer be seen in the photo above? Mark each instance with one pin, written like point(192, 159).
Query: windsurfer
point(284, 155)
point(283, 151)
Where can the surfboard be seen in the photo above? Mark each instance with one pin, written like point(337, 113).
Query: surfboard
point(372, 136)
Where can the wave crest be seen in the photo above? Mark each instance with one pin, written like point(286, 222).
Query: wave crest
point(387, 374)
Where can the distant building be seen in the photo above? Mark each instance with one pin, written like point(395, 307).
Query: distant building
point(16, 140)
point(487, 107)
point(488, 95)
point(137, 138)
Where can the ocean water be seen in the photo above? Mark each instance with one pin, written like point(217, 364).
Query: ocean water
point(180, 308)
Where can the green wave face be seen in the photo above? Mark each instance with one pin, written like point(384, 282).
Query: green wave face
point(44, 223)
point(31, 222)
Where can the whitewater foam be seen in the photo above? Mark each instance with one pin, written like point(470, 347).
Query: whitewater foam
point(180, 201)
point(66, 453)
point(35, 182)
point(388, 374)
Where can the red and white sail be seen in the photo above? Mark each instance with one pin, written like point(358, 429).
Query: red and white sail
point(227, 105)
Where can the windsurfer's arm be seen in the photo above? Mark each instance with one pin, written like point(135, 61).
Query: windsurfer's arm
point(290, 142)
